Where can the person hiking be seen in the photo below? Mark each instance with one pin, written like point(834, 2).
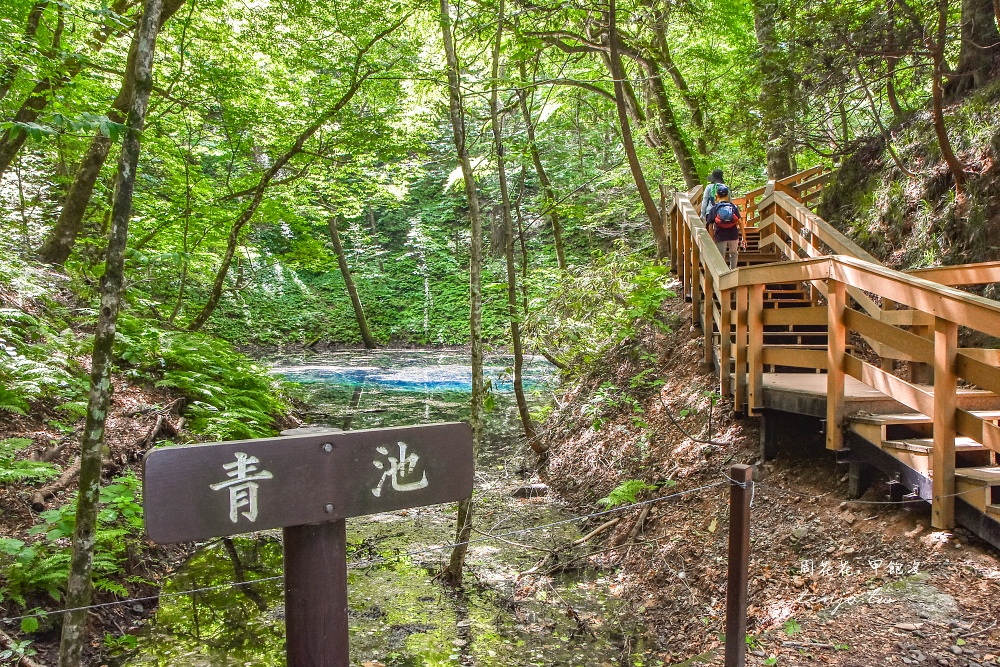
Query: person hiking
point(729, 230)
point(715, 180)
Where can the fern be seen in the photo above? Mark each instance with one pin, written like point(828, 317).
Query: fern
point(626, 493)
point(12, 470)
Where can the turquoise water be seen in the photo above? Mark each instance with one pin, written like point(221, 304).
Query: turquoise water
point(400, 613)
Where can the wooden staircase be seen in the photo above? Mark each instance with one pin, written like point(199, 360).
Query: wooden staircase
point(777, 330)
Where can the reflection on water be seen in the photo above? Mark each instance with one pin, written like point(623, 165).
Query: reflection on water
point(400, 614)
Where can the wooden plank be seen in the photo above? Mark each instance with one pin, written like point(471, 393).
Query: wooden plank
point(915, 346)
point(977, 372)
point(901, 391)
point(742, 297)
point(696, 271)
point(945, 404)
point(906, 318)
point(968, 310)
point(755, 361)
point(707, 323)
point(809, 315)
point(836, 341)
point(778, 355)
point(250, 485)
point(964, 274)
point(981, 430)
point(989, 356)
point(725, 341)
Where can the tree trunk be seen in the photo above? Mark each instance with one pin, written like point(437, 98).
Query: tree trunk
point(669, 127)
point(891, 59)
point(937, 100)
point(59, 241)
point(618, 74)
point(543, 178)
point(79, 587)
point(663, 51)
point(38, 98)
point(345, 271)
point(508, 224)
point(11, 69)
point(980, 47)
point(258, 196)
point(775, 89)
point(456, 566)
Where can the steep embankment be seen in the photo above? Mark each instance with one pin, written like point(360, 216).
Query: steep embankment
point(839, 583)
point(911, 221)
point(168, 385)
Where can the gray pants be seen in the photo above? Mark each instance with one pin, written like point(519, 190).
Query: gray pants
point(732, 247)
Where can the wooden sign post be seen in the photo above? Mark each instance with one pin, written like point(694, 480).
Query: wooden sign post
point(307, 485)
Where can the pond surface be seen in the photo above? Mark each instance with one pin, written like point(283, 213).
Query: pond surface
point(517, 608)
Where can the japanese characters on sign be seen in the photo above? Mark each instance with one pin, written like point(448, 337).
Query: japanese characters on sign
point(199, 491)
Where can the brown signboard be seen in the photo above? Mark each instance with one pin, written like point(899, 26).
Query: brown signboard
point(194, 492)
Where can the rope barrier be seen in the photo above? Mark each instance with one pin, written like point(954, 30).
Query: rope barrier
point(374, 561)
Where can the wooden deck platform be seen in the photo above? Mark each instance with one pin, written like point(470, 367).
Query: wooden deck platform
point(805, 394)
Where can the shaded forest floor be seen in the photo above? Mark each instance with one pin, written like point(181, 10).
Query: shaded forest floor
point(831, 582)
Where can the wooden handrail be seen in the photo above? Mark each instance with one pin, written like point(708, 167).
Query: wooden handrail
point(850, 278)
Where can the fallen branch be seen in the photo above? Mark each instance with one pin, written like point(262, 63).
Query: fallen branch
point(978, 632)
point(513, 544)
point(637, 527)
point(597, 531)
point(8, 642)
point(41, 495)
point(808, 644)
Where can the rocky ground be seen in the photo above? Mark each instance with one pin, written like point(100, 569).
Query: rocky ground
point(832, 581)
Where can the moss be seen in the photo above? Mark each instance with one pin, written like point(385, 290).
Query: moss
point(912, 221)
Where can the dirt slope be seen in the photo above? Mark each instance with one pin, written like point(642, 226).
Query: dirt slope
point(832, 582)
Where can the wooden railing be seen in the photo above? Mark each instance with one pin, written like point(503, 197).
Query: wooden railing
point(913, 316)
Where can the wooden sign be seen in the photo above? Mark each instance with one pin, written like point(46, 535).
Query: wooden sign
point(195, 492)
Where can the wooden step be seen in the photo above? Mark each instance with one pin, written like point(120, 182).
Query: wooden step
point(906, 418)
point(925, 445)
point(986, 476)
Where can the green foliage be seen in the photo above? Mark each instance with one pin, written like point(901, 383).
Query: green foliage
point(608, 399)
point(792, 627)
point(18, 649)
point(35, 362)
point(231, 397)
point(588, 309)
point(626, 493)
point(43, 564)
point(22, 471)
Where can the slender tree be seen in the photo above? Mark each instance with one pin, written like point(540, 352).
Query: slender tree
point(59, 241)
point(618, 74)
point(79, 587)
point(514, 317)
point(456, 566)
point(352, 291)
point(12, 66)
point(550, 202)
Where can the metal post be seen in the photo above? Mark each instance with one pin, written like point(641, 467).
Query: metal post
point(740, 493)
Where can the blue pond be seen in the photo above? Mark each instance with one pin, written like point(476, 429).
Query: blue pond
point(401, 387)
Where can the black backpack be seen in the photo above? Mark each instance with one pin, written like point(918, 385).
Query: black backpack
point(726, 215)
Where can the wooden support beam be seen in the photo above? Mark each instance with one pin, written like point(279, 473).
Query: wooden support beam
point(708, 325)
point(742, 297)
point(755, 365)
point(725, 341)
point(836, 350)
point(696, 270)
point(945, 405)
